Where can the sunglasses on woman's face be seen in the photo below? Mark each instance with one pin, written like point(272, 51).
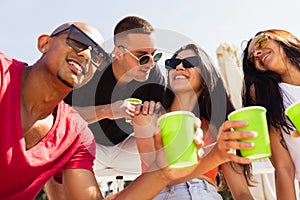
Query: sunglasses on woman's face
point(144, 59)
point(79, 41)
point(260, 43)
point(188, 62)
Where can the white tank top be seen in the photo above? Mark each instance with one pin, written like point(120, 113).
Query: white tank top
point(291, 94)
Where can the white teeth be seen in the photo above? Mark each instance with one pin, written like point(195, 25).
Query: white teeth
point(180, 77)
point(78, 67)
point(263, 59)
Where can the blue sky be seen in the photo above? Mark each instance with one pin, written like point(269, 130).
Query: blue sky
point(205, 22)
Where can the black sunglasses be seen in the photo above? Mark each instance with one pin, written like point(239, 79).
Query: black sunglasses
point(80, 41)
point(144, 59)
point(188, 62)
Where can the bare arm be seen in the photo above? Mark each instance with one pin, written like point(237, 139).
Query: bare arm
point(284, 168)
point(81, 184)
point(144, 123)
point(236, 181)
point(146, 186)
point(163, 176)
point(144, 129)
point(116, 110)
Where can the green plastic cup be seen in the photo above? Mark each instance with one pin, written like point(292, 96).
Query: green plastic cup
point(178, 132)
point(293, 112)
point(257, 122)
point(135, 101)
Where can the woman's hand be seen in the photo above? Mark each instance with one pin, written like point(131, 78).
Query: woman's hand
point(229, 140)
point(161, 161)
point(144, 112)
point(198, 140)
point(173, 175)
point(145, 119)
point(222, 151)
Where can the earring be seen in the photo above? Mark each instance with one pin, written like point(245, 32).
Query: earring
point(43, 50)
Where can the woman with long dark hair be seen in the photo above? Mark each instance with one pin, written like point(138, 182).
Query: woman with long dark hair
point(271, 65)
point(195, 85)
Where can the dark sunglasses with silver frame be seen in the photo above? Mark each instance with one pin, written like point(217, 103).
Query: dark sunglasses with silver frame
point(80, 41)
point(188, 62)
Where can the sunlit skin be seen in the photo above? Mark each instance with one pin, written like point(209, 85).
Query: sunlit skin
point(56, 74)
point(126, 66)
point(45, 85)
point(186, 84)
point(272, 58)
point(70, 75)
point(183, 79)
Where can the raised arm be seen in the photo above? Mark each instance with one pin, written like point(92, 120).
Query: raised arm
point(144, 124)
point(116, 110)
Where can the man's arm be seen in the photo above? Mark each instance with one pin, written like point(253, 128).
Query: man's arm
point(116, 110)
point(145, 187)
point(93, 114)
point(81, 184)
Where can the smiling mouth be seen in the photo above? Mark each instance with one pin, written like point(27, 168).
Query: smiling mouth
point(145, 71)
point(263, 59)
point(180, 77)
point(76, 68)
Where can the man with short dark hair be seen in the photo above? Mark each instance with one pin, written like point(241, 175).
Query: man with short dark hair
point(132, 73)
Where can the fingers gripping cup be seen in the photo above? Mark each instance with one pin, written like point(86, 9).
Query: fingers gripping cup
point(178, 131)
point(293, 112)
point(135, 101)
point(257, 122)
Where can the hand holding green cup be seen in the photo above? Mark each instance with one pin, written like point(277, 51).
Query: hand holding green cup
point(178, 131)
point(257, 122)
point(134, 101)
point(293, 112)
